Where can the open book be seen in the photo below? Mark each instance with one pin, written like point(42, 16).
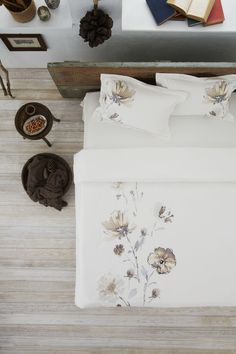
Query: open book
point(195, 9)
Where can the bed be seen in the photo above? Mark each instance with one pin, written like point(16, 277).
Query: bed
point(155, 219)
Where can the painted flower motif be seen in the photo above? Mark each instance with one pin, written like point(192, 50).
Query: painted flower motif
point(119, 250)
point(130, 273)
point(121, 93)
point(110, 287)
point(219, 92)
point(118, 225)
point(212, 114)
point(144, 232)
point(164, 214)
point(163, 260)
point(117, 185)
point(218, 111)
point(155, 293)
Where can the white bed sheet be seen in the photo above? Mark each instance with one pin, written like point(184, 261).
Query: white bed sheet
point(197, 187)
point(186, 131)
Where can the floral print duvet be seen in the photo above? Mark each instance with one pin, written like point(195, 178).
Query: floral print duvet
point(155, 227)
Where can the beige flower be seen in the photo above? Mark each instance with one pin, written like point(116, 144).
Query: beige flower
point(163, 260)
point(121, 93)
point(117, 185)
point(110, 287)
point(118, 225)
point(219, 92)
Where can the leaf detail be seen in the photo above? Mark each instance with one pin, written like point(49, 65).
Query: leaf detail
point(136, 246)
point(143, 271)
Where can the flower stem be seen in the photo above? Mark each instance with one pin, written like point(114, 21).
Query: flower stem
point(123, 300)
point(223, 110)
point(135, 258)
point(125, 198)
point(135, 205)
point(144, 293)
point(146, 286)
point(154, 227)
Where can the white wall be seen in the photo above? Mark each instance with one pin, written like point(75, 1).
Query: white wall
point(67, 45)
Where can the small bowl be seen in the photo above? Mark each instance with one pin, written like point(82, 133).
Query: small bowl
point(44, 13)
point(30, 109)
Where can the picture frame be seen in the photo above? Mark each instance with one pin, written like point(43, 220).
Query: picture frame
point(24, 42)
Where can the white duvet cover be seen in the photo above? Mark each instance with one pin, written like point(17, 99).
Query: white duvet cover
point(156, 227)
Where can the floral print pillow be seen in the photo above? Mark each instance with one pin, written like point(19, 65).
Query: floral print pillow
point(209, 97)
point(127, 102)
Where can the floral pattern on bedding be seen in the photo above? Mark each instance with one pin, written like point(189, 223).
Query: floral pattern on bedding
point(143, 265)
point(218, 95)
point(118, 93)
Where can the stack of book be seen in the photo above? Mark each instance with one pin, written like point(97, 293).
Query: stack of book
point(198, 12)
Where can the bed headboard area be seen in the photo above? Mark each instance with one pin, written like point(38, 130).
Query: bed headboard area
point(74, 79)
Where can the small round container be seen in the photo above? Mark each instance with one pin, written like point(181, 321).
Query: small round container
point(52, 4)
point(30, 109)
point(26, 15)
point(44, 13)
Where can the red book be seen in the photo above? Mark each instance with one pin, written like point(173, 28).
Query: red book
point(216, 15)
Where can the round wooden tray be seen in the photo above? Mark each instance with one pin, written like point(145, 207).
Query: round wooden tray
point(39, 109)
point(21, 117)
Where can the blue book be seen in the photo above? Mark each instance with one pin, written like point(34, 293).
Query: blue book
point(161, 11)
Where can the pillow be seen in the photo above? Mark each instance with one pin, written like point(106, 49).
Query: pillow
point(206, 96)
point(131, 103)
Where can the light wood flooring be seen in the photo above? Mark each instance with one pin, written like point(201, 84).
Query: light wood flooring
point(37, 260)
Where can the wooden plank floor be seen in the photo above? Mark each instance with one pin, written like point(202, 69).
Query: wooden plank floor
point(37, 260)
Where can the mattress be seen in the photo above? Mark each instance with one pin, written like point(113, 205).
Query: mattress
point(186, 131)
point(155, 227)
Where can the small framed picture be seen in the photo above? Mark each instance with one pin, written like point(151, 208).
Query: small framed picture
point(24, 42)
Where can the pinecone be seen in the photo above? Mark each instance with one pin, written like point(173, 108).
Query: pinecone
point(95, 27)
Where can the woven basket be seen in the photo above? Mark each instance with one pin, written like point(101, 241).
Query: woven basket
point(27, 15)
point(59, 161)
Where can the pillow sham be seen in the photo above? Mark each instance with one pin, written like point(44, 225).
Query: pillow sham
point(131, 103)
point(206, 96)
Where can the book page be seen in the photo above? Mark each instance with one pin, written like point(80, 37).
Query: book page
point(180, 4)
point(200, 8)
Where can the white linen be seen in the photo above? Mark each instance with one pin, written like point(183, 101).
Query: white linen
point(130, 103)
point(156, 165)
point(188, 131)
point(207, 96)
point(191, 225)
